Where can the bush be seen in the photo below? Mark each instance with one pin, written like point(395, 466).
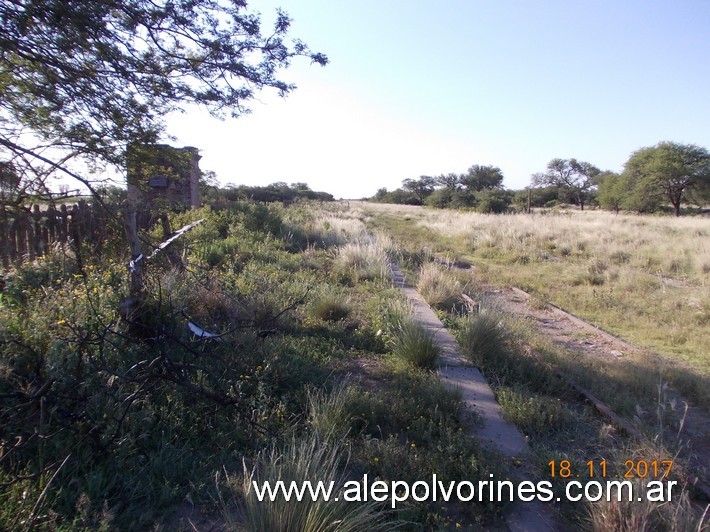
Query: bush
point(262, 218)
point(415, 345)
point(492, 201)
point(366, 261)
point(330, 307)
point(439, 287)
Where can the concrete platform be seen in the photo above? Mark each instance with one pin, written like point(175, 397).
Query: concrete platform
point(489, 427)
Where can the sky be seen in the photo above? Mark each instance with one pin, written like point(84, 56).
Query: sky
point(426, 88)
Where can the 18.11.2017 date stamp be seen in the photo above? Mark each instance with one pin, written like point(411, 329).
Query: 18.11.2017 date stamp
point(651, 469)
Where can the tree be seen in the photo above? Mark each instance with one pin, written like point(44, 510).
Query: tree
point(441, 198)
point(577, 178)
point(82, 80)
point(678, 172)
point(421, 187)
point(450, 181)
point(612, 191)
point(493, 200)
point(480, 177)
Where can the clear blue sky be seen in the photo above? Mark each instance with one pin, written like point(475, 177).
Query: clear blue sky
point(423, 88)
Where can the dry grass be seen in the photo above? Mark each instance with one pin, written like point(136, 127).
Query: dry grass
point(415, 345)
point(306, 458)
point(438, 286)
point(330, 306)
point(645, 278)
point(676, 514)
point(367, 260)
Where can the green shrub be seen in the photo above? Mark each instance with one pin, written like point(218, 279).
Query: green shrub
point(259, 217)
point(330, 307)
point(483, 336)
point(415, 345)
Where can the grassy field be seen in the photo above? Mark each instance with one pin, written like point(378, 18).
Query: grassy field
point(124, 419)
point(115, 419)
point(643, 278)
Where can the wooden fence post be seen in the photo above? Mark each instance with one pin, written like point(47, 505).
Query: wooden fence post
point(4, 238)
point(38, 241)
point(136, 267)
point(20, 234)
point(75, 232)
point(52, 228)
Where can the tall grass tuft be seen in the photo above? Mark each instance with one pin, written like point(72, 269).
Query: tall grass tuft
point(415, 345)
point(438, 286)
point(304, 458)
point(494, 348)
point(483, 336)
point(631, 516)
point(328, 412)
point(366, 260)
point(330, 307)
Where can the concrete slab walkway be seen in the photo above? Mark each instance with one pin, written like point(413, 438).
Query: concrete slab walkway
point(493, 431)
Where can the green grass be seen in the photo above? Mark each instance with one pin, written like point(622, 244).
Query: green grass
point(118, 423)
point(415, 345)
point(304, 458)
point(330, 307)
point(642, 278)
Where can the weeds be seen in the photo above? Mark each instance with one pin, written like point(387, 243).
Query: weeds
point(328, 414)
point(438, 286)
point(415, 345)
point(484, 337)
point(622, 514)
point(628, 277)
point(533, 414)
point(150, 411)
point(304, 458)
point(366, 261)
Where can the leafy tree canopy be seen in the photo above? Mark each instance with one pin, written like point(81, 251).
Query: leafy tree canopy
point(450, 180)
point(480, 177)
point(575, 177)
point(680, 173)
point(611, 191)
point(421, 188)
point(84, 79)
point(452, 190)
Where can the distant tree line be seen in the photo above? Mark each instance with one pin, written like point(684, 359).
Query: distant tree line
point(669, 175)
point(480, 188)
point(274, 192)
